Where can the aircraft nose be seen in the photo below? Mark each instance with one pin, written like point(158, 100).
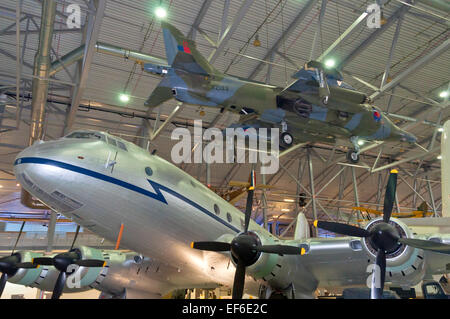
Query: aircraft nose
point(30, 151)
point(26, 161)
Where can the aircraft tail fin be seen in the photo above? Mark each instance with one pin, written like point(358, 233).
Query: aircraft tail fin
point(301, 228)
point(181, 52)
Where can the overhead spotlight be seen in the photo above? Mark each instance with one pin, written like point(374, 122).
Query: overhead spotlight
point(124, 97)
point(443, 94)
point(256, 42)
point(360, 142)
point(285, 210)
point(160, 12)
point(439, 157)
point(330, 63)
point(383, 19)
point(18, 185)
point(289, 200)
point(441, 129)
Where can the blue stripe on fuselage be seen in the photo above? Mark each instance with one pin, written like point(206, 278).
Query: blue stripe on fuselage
point(156, 186)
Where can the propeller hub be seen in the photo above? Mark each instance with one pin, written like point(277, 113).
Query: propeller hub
point(62, 261)
point(243, 248)
point(8, 264)
point(384, 236)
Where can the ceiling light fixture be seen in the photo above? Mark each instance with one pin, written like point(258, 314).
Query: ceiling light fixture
point(124, 97)
point(160, 12)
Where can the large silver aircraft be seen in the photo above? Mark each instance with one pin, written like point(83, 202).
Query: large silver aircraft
point(105, 183)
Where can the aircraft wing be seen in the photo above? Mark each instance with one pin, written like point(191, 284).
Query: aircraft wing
point(315, 83)
point(160, 94)
point(343, 262)
point(303, 130)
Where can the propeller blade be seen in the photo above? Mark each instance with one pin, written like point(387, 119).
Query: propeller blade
point(3, 280)
point(378, 276)
point(248, 209)
point(75, 237)
point(18, 238)
point(59, 285)
point(279, 249)
point(249, 205)
point(91, 263)
point(239, 280)
point(342, 229)
point(389, 196)
point(26, 265)
point(43, 261)
point(426, 245)
point(211, 246)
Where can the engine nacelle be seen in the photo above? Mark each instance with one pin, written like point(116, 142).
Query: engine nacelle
point(111, 279)
point(405, 266)
point(23, 276)
point(271, 269)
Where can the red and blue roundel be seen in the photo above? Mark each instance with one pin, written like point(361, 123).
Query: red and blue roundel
point(376, 115)
point(184, 48)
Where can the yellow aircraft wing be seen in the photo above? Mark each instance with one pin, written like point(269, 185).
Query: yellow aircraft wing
point(414, 214)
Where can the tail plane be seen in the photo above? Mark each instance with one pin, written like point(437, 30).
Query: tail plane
point(181, 54)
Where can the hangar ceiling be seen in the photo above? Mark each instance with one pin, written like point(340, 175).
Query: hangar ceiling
point(409, 51)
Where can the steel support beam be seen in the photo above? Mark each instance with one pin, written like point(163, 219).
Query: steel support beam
point(405, 160)
point(290, 29)
point(318, 32)
point(174, 112)
point(311, 184)
point(18, 59)
point(391, 54)
point(226, 9)
point(198, 20)
point(38, 31)
point(374, 35)
point(443, 47)
point(92, 33)
point(226, 36)
point(430, 191)
point(355, 193)
point(332, 48)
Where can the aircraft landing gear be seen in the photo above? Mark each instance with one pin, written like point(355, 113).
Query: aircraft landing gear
point(353, 154)
point(286, 140)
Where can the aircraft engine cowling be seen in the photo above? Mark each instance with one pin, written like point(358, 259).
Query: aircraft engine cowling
point(265, 268)
point(405, 265)
point(44, 277)
point(23, 276)
point(119, 278)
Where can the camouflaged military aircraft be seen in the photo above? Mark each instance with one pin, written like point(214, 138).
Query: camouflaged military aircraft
point(317, 107)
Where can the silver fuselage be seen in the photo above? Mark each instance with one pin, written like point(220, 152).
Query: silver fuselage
point(163, 209)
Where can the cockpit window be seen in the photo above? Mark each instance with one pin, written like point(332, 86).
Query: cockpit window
point(94, 135)
point(121, 146)
point(112, 141)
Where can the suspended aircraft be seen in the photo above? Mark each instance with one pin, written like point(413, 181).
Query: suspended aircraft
point(421, 212)
point(317, 107)
point(107, 185)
